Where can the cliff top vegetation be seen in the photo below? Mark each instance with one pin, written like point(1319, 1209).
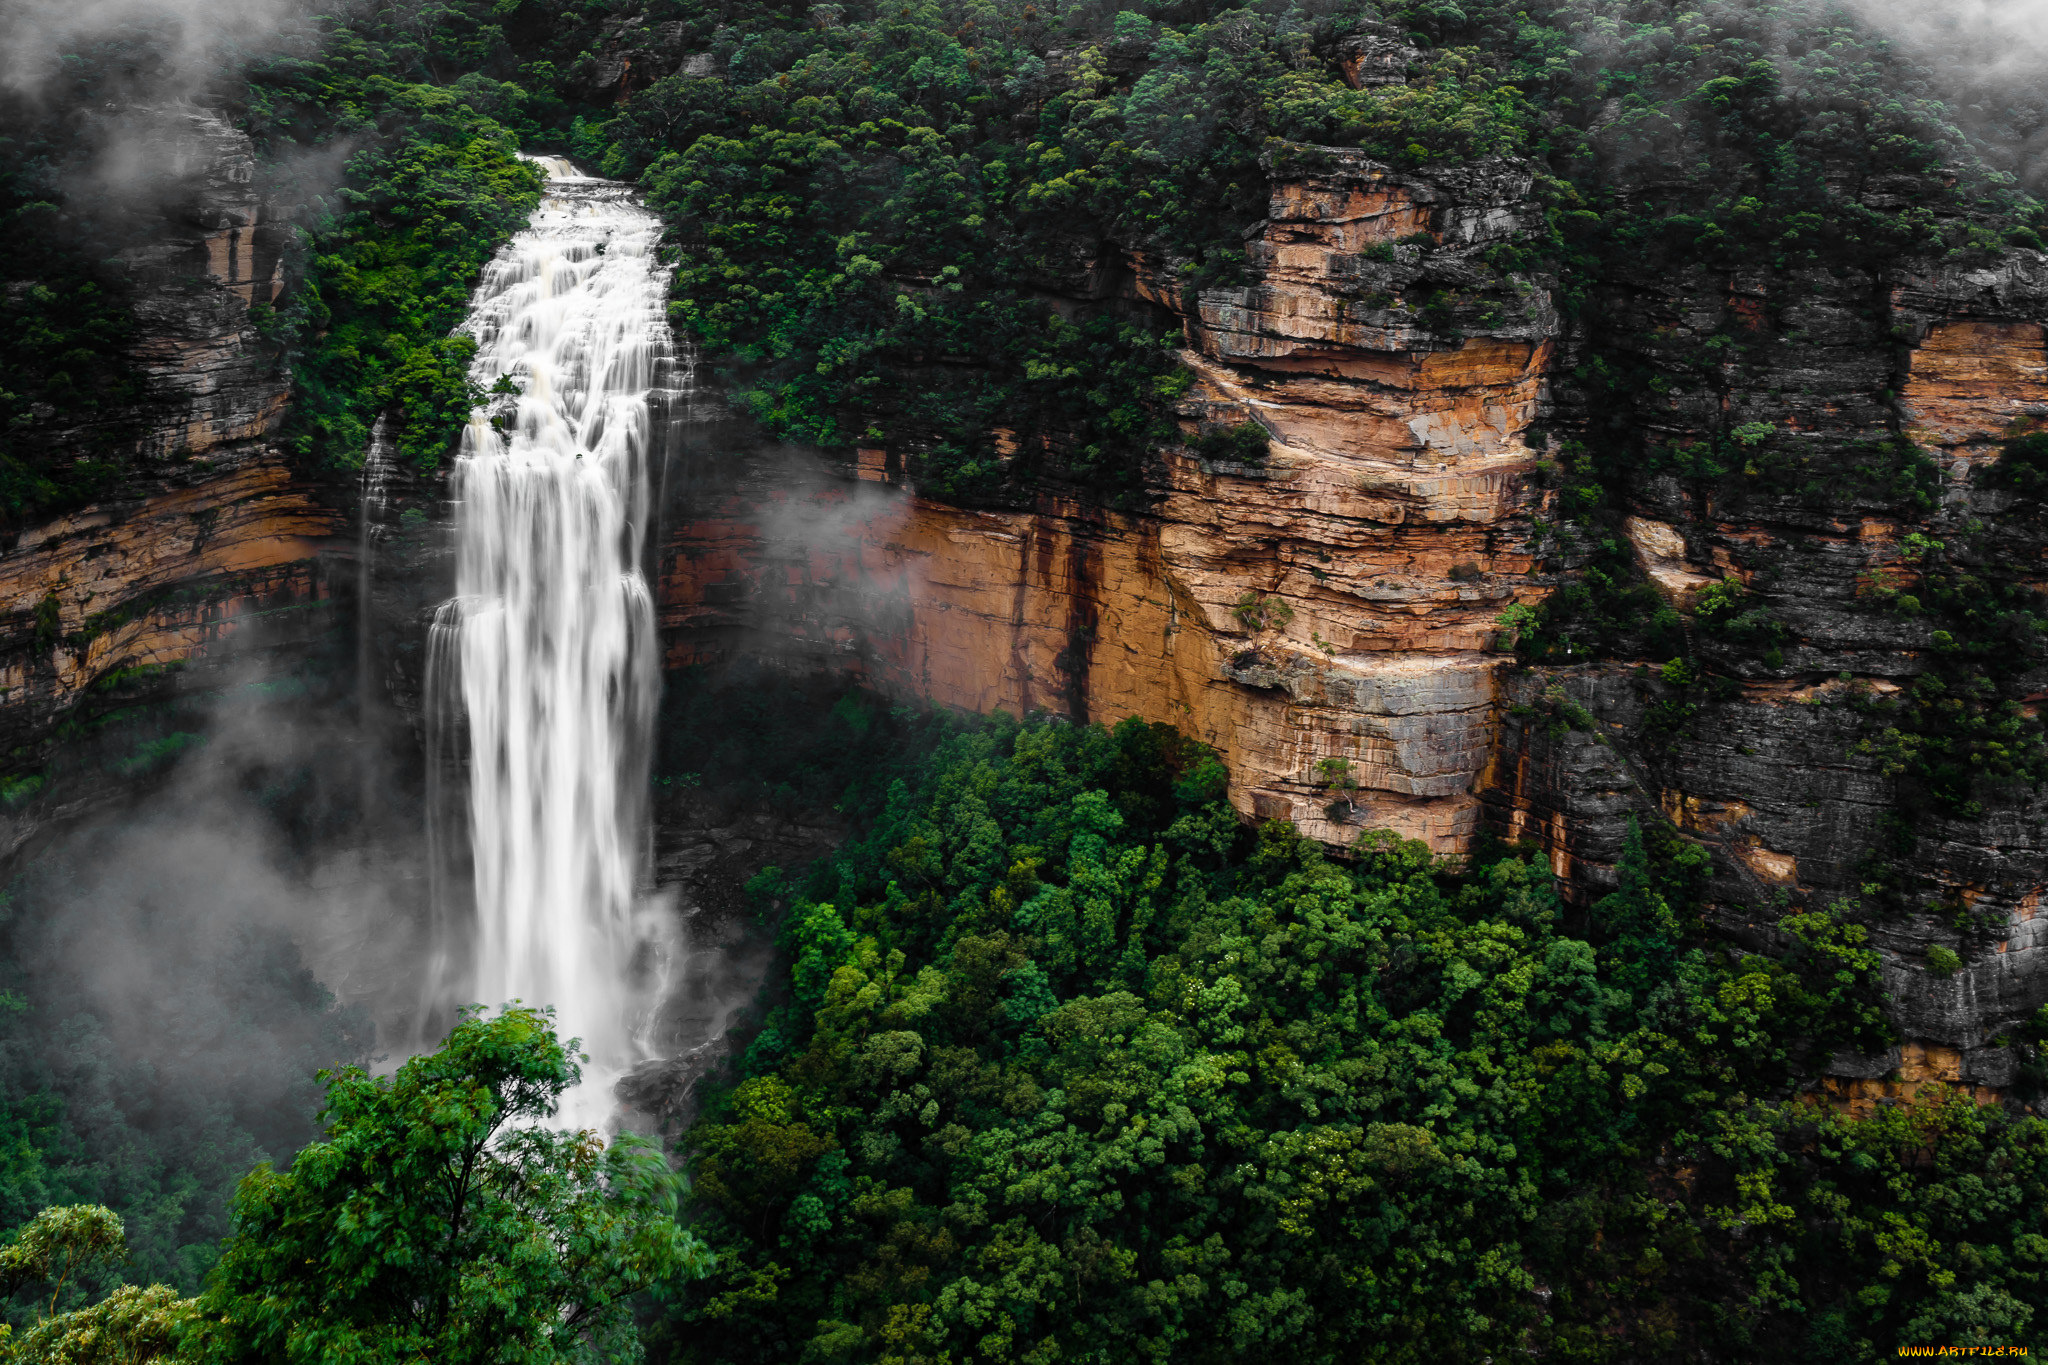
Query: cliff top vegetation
point(910, 223)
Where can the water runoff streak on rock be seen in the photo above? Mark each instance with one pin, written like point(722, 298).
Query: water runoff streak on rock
point(547, 652)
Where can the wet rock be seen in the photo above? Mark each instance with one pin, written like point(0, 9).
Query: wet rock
point(707, 846)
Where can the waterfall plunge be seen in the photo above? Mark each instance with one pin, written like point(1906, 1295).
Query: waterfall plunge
point(548, 649)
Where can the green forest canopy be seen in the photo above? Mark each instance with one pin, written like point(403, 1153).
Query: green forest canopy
point(1069, 1063)
point(1074, 1065)
point(437, 1218)
point(874, 198)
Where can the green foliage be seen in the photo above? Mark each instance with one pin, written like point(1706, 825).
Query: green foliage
point(1074, 1065)
point(438, 1221)
point(131, 1326)
point(1607, 609)
point(155, 1110)
point(1257, 612)
point(64, 335)
point(19, 788)
point(1729, 610)
point(1752, 119)
point(1335, 776)
point(59, 1244)
point(1245, 443)
point(411, 97)
point(876, 201)
point(1512, 623)
point(69, 391)
point(1569, 713)
point(2022, 466)
point(426, 203)
point(1717, 138)
point(1959, 736)
point(154, 754)
point(875, 206)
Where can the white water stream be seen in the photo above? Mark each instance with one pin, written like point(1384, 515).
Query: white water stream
point(548, 651)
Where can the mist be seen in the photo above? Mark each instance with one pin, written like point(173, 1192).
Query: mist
point(117, 103)
point(1999, 39)
point(187, 942)
point(161, 49)
point(1989, 59)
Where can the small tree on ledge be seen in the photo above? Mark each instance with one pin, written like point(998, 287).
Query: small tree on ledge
point(1336, 775)
point(1258, 612)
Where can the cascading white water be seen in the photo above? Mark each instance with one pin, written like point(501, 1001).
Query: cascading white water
point(547, 651)
point(376, 474)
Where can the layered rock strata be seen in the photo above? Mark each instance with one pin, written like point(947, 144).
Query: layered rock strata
point(219, 250)
point(1328, 618)
point(1324, 618)
point(1896, 392)
point(208, 527)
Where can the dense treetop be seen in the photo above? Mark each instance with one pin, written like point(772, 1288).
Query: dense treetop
point(875, 194)
point(877, 201)
point(1075, 1066)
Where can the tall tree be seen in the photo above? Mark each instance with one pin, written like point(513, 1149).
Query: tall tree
point(439, 1221)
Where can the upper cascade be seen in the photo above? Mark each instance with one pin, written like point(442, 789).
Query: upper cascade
point(548, 648)
point(557, 168)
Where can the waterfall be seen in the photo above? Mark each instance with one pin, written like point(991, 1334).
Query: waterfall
point(545, 658)
point(376, 474)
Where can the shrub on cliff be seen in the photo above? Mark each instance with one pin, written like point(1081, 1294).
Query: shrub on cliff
point(2022, 466)
point(425, 205)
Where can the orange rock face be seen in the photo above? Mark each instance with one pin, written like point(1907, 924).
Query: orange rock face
point(212, 525)
point(150, 586)
point(1970, 380)
point(1925, 1073)
point(1325, 620)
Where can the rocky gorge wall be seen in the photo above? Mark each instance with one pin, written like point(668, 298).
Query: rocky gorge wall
point(208, 531)
point(1339, 601)
point(1326, 618)
point(1333, 604)
point(1775, 773)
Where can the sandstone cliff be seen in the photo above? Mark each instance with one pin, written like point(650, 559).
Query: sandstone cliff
point(1328, 617)
point(1324, 618)
point(208, 530)
point(1949, 361)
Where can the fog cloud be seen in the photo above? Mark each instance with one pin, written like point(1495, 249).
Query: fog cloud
point(1988, 40)
point(1989, 59)
point(166, 49)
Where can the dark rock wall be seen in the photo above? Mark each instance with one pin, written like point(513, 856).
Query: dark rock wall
point(1765, 769)
point(210, 536)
